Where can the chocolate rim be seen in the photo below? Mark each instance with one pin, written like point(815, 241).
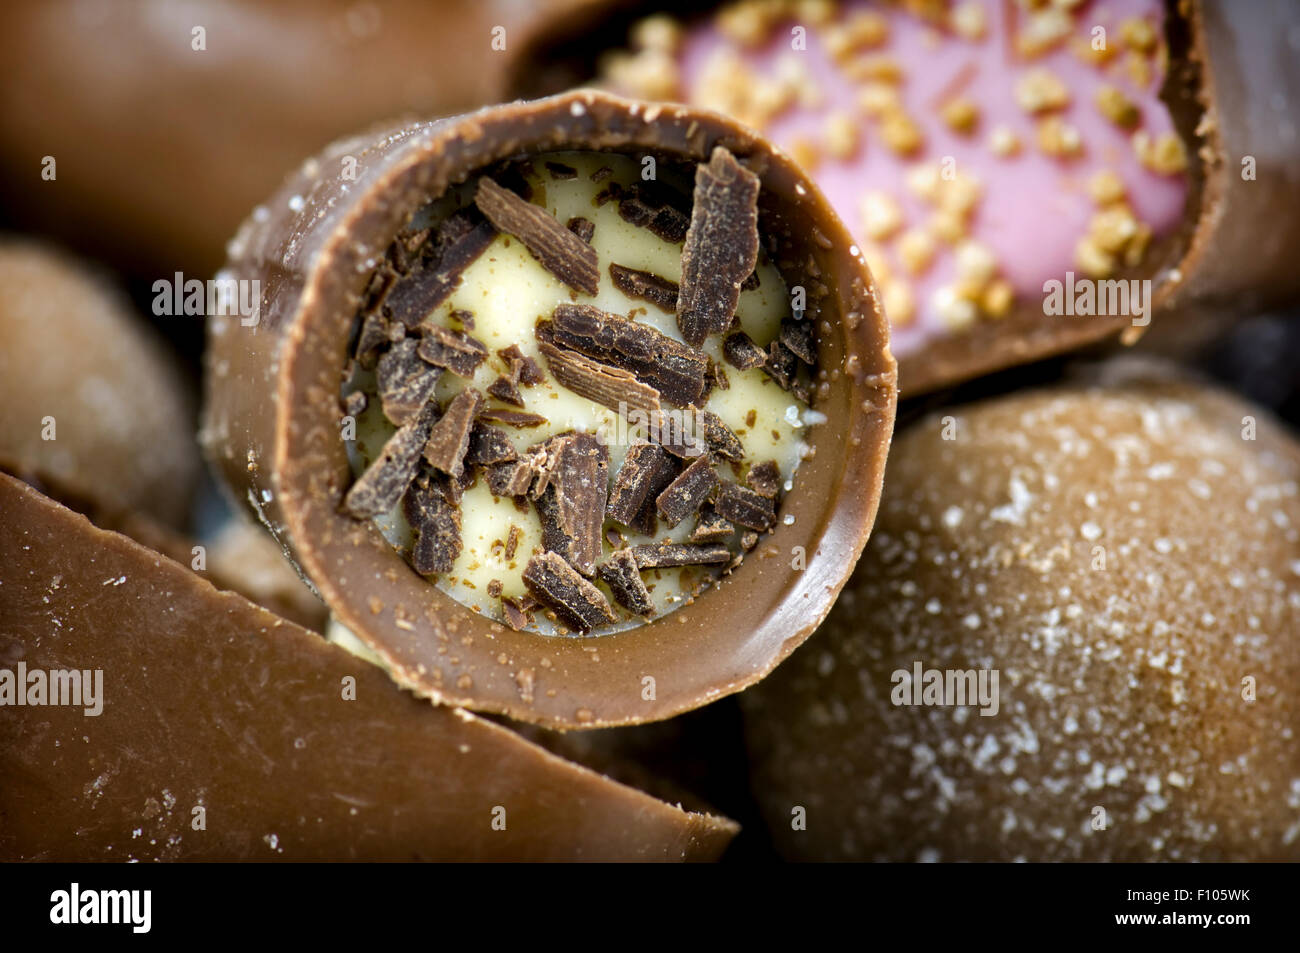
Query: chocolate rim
point(271, 424)
point(563, 52)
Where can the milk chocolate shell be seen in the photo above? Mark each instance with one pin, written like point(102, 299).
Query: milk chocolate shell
point(1125, 556)
point(1229, 77)
point(214, 730)
point(272, 417)
point(91, 405)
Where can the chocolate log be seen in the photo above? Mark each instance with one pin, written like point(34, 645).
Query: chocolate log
point(166, 124)
point(1002, 167)
point(146, 716)
point(396, 236)
point(1073, 636)
point(91, 404)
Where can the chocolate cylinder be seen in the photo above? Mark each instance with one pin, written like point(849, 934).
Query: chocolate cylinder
point(1229, 81)
point(272, 422)
point(226, 733)
point(1073, 636)
point(92, 406)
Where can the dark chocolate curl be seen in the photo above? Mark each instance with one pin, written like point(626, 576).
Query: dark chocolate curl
point(621, 573)
point(572, 507)
point(559, 250)
point(686, 493)
point(578, 603)
point(378, 489)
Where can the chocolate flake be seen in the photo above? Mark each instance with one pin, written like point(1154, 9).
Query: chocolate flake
point(449, 440)
point(685, 494)
point(453, 350)
point(572, 507)
point(797, 336)
point(601, 174)
point(765, 478)
point(489, 445)
point(377, 332)
point(781, 364)
point(512, 418)
point(645, 466)
point(523, 368)
point(745, 507)
point(559, 170)
point(720, 438)
point(435, 519)
point(460, 238)
point(607, 386)
point(577, 603)
point(621, 573)
point(512, 541)
point(710, 527)
point(506, 391)
point(721, 246)
point(513, 478)
point(465, 318)
point(494, 588)
point(406, 383)
point(670, 555)
point(380, 487)
point(676, 371)
point(741, 352)
point(651, 208)
point(584, 228)
point(645, 285)
point(560, 252)
point(515, 615)
point(355, 404)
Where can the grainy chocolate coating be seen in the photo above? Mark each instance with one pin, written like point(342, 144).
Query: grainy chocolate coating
point(271, 421)
point(1124, 558)
point(211, 701)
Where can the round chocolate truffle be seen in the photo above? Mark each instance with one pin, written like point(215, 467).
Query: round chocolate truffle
point(1072, 636)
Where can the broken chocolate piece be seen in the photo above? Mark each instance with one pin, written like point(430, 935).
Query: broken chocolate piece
point(355, 404)
point(710, 527)
point(406, 383)
point(798, 337)
point(378, 489)
point(721, 246)
point(494, 588)
point(644, 466)
point(377, 332)
point(460, 239)
point(436, 522)
point(572, 507)
point(464, 318)
point(720, 438)
point(523, 368)
point(560, 170)
point(578, 603)
point(512, 418)
point(610, 387)
point(449, 439)
point(765, 478)
point(506, 391)
point(512, 541)
point(513, 478)
point(514, 614)
point(669, 555)
point(653, 209)
point(716, 377)
point(560, 252)
point(781, 364)
point(685, 494)
point(676, 371)
point(621, 573)
point(745, 507)
point(453, 350)
point(584, 228)
point(488, 445)
point(741, 352)
point(660, 292)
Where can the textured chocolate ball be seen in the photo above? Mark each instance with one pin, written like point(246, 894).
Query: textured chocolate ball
point(1124, 552)
point(92, 408)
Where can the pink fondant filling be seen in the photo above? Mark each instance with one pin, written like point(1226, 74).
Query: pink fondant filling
point(1034, 207)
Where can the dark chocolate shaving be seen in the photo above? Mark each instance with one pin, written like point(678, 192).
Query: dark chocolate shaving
point(522, 367)
point(720, 438)
point(513, 478)
point(514, 614)
point(621, 573)
point(660, 292)
point(406, 383)
point(676, 371)
point(465, 318)
point(453, 350)
point(377, 332)
point(489, 445)
point(560, 252)
point(710, 527)
point(721, 246)
point(601, 174)
point(512, 418)
point(741, 352)
point(686, 493)
point(646, 468)
point(381, 486)
point(355, 404)
point(745, 507)
point(435, 519)
point(512, 541)
point(506, 391)
point(797, 336)
point(572, 507)
point(765, 478)
point(584, 228)
point(559, 170)
point(669, 431)
point(449, 440)
point(669, 555)
point(652, 208)
point(781, 364)
point(717, 377)
point(607, 386)
point(576, 602)
point(460, 238)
